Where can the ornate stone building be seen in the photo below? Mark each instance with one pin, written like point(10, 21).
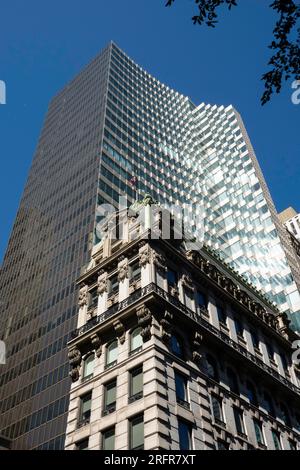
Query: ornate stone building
point(174, 350)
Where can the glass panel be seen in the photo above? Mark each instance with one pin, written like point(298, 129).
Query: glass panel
point(110, 393)
point(276, 440)
point(86, 406)
point(176, 346)
point(201, 299)
point(184, 431)
point(239, 423)
point(217, 409)
point(88, 366)
point(180, 383)
point(136, 339)
point(112, 352)
point(137, 432)
point(221, 315)
point(172, 277)
point(83, 445)
point(136, 381)
point(109, 439)
point(258, 432)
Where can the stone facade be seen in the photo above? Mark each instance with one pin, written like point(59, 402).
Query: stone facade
point(213, 357)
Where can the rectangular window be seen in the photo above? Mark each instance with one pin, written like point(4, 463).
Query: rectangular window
point(108, 439)
point(135, 384)
point(239, 328)
point(239, 421)
point(222, 445)
point(172, 278)
point(83, 445)
point(114, 284)
point(217, 410)
point(201, 300)
point(110, 390)
point(93, 298)
point(222, 316)
point(181, 390)
point(185, 435)
point(276, 440)
point(259, 433)
point(136, 433)
point(85, 409)
point(135, 271)
point(255, 340)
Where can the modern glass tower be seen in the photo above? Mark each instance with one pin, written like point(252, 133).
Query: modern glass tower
point(112, 123)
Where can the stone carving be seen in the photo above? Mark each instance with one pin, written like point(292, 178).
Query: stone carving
point(102, 283)
point(159, 261)
point(123, 271)
point(120, 330)
point(283, 323)
point(75, 358)
point(166, 327)
point(187, 282)
point(145, 255)
point(96, 344)
point(144, 321)
point(83, 296)
point(196, 347)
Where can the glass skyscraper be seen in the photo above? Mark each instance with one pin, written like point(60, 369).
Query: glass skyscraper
point(111, 123)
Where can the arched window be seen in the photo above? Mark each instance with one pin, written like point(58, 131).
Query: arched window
point(88, 366)
point(112, 353)
point(136, 340)
point(212, 368)
point(268, 404)
point(251, 393)
point(233, 381)
point(285, 415)
point(176, 346)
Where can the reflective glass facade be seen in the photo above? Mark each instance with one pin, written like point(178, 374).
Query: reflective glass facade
point(113, 122)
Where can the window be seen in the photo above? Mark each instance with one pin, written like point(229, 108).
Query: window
point(268, 404)
point(135, 271)
point(112, 354)
point(181, 390)
point(85, 409)
point(217, 409)
point(136, 433)
point(251, 394)
point(185, 435)
point(222, 445)
point(176, 346)
point(270, 351)
point(114, 284)
point(82, 445)
point(88, 367)
point(135, 384)
point(233, 381)
point(284, 414)
point(172, 278)
point(255, 340)
point(292, 444)
point(276, 440)
point(239, 328)
point(110, 390)
point(136, 340)
point(212, 368)
point(239, 421)
point(93, 298)
point(221, 316)
point(201, 300)
point(108, 439)
point(258, 432)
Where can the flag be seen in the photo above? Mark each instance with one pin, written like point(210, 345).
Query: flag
point(133, 181)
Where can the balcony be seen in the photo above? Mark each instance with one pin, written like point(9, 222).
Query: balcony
point(83, 422)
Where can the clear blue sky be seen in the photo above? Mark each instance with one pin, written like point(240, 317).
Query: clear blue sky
point(43, 44)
